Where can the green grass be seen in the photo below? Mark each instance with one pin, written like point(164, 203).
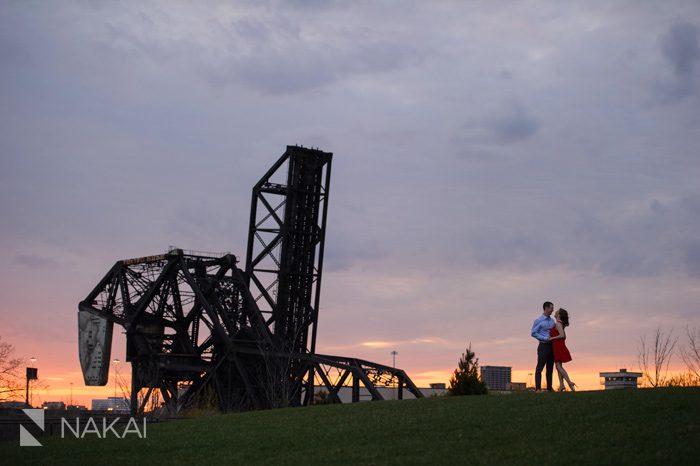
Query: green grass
point(641, 427)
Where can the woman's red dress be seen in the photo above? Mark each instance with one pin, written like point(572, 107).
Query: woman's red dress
point(561, 352)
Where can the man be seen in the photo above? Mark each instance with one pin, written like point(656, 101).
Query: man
point(540, 331)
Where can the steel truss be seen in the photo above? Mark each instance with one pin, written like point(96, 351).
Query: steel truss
point(199, 329)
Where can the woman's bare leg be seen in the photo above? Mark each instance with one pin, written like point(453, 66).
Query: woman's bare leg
point(560, 369)
point(565, 375)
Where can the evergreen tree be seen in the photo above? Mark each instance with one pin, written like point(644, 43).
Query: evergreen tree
point(465, 380)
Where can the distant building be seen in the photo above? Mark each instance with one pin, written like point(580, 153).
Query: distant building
point(513, 386)
point(76, 408)
point(113, 404)
point(496, 377)
point(622, 379)
point(54, 405)
point(438, 386)
point(13, 405)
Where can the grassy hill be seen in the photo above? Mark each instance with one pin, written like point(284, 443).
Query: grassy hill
point(659, 426)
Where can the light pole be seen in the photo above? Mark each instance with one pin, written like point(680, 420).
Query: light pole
point(31, 375)
point(114, 400)
point(393, 366)
point(71, 395)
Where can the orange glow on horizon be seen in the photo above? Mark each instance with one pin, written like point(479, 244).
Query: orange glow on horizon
point(421, 358)
point(60, 390)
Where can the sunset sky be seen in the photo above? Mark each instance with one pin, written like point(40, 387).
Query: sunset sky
point(488, 156)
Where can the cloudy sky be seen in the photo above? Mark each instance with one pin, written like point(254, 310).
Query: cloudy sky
point(488, 157)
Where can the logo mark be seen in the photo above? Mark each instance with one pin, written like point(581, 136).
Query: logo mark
point(26, 439)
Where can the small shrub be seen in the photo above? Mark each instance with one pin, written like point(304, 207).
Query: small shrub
point(465, 380)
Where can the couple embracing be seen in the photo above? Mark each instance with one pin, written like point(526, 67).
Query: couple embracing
point(551, 349)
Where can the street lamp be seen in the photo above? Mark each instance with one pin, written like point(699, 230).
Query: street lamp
point(114, 400)
point(31, 375)
point(71, 394)
point(393, 366)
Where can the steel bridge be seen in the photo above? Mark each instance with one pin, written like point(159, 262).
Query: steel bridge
point(200, 330)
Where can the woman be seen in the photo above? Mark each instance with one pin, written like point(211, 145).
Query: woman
point(561, 354)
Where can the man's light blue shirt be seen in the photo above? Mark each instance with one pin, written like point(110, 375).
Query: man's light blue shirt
point(541, 328)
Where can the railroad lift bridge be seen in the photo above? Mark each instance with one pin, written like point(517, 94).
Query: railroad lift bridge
point(201, 330)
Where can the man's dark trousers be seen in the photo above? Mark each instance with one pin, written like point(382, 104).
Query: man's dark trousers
point(545, 356)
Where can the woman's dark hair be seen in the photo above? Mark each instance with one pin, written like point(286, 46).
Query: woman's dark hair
point(564, 316)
